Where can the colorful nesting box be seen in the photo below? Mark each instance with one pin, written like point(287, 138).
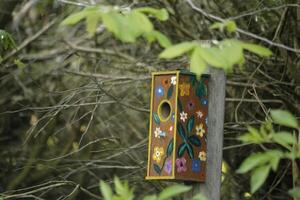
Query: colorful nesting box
point(178, 126)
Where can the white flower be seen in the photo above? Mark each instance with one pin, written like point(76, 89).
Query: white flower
point(183, 116)
point(157, 132)
point(171, 128)
point(199, 114)
point(173, 80)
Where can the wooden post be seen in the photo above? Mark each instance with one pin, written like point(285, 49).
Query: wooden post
point(212, 186)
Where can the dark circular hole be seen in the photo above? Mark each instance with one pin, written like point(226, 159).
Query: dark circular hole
point(165, 110)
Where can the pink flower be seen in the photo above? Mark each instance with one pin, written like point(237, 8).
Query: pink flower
point(181, 165)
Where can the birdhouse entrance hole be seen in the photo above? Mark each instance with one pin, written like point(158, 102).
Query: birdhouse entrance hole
point(164, 110)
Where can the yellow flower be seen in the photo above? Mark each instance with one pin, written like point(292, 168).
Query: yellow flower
point(202, 155)
point(158, 153)
point(200, 130)
point(184, 89)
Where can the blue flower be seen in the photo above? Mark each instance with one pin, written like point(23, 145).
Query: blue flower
point(196, 165)
point(159, 91)
point(204, 101)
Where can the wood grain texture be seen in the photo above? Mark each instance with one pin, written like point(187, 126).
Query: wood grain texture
point(212, 187)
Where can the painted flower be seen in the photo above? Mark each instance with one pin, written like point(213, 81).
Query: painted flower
point(202, 155)
point(168, 166)
point(171, 128)
point(165, 81)
point(159, 91)
point(181, 164)
point(158, 153)
point(173, 80)
point(206, 120)
point(199, 114)
point(190, 105)
point(200, 130)
point(158, 133)
point(183, 116)
point(173, 117)
point(204, 101)
point(184, 89)
point(196, 165)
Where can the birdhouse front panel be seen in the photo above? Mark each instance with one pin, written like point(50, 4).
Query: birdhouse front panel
point(162, 125)
point(178, 126)
point(191, 128)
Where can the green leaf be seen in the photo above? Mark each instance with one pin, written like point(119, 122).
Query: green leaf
point(170, 91)
point(6, 40)
point(295, 192)
point(173, 191)
point(91, 23)
point(181, 149)
point(76, 17)
point(150, 197)
point(105, 190)
point(284, 138)
point(258, 177)
point(231, 26)
point(139, 22)
point(252, 161)
point(156, 118)
point(232, 51)
point(274, 158)
point(214, 57)
point(156, 168)
point(257, 49)
point(199, 197)
point(195, 140)
point(197, 64)
point(253, 136)
point(162, 39)
point(170, 147)
point(160, 14)
point(19, 63)
point(284, 118)
point(190, 124)
point(177, 50)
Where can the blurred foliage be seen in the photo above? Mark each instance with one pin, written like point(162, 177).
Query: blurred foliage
point(74, 106)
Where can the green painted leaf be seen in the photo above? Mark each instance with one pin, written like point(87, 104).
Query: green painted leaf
point(179, 105)
point(156, 168)
point(295, 192)
point(195, 140)
point(201, 90)
point(181, 131)
point(160, 14)
point(170, 91)
point(190, 124)
point(156, 118)
point(177, 50)
point(197, 63)
point(173, 191)
point(258, 177)
point(181, 149)
point(257, 49)
point(284, 118)
point(190, 150)
point(170, 147)
point(106, 191)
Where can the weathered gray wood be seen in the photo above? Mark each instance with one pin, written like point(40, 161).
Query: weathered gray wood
point(212, 187)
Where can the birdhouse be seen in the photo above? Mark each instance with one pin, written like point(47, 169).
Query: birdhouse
point(178, 126)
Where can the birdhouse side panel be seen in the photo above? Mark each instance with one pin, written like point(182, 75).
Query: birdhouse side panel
point(162, 126)
point(190, 163)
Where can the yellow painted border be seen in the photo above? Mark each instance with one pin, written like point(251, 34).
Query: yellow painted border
point(150, 125)
point(175, 128)
point(148, 177)
point(159, 110)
